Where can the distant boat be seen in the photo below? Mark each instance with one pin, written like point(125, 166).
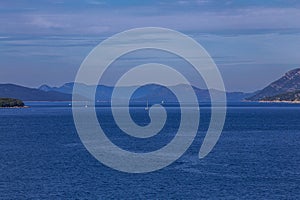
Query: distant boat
point(147, 107)
point(162, 102)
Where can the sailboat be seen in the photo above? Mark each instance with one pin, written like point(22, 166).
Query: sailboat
point(147, 107)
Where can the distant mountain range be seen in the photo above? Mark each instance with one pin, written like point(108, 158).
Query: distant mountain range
point(32, 94)
point(284, 88)
point(151, 92)
point(287, 88)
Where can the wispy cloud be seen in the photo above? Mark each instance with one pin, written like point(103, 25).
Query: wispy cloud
point(51, 35)
point(45, 22)
point(249, 20)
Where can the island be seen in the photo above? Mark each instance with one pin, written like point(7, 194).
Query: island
point(11, 103)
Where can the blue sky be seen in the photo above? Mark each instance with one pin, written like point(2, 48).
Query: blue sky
point(252, 42)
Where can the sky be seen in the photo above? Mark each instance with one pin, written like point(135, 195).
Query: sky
point(252, 42)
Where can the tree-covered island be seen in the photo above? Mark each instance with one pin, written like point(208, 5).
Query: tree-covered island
point(10, 102)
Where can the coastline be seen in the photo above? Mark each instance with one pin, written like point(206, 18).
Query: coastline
point(16, 107)
point(278, 101)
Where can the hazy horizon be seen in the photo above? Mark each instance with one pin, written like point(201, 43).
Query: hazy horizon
point(253, 43)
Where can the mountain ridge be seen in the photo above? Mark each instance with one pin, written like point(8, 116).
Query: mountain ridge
point(289, 82)
point(153, 92)
point(32, 94)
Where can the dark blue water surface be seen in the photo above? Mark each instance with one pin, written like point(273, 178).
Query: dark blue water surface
point(257, 157)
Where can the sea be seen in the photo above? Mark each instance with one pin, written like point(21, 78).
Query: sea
point(256, 157)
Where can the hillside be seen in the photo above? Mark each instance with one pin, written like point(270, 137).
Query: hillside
point(151, 92)
point(290, 82)
point(285, 97)
point(31, 94)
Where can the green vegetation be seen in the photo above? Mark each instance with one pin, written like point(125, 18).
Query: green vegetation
point(9, 102)
point(289, 96)
point(284, 89)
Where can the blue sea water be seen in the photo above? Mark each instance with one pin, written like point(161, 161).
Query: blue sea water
point(257, 157)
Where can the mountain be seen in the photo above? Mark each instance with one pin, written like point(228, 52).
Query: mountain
point(103, 92)
point(160, 93)
point(151, 92)
point(290, 82)
point(66, 88)
point(31, 94)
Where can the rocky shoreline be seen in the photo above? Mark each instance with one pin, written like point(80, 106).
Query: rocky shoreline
point(279, 101)
point(16, 107)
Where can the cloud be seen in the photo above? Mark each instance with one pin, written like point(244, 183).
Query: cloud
point(95, 2)
point(45, 22)
point(193, 2)
point(249, 35)
point(108, 21)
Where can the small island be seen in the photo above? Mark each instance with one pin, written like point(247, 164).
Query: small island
point(11, 103)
